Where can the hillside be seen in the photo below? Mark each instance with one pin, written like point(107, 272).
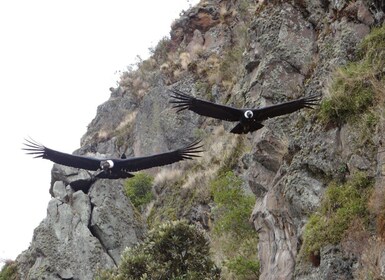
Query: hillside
point(301, 198)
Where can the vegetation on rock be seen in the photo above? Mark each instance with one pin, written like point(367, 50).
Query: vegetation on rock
point(139, 189)
point(9, 271)
point(173, 250)
point(342, 205)
point(357, 89)
point(232, 229)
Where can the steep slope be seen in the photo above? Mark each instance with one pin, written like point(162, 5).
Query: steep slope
point(239, 53)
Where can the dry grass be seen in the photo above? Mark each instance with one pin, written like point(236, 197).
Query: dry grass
point(185, 60)
point(370, 260)
point(377, 207)
point(136, 81)
point(166, 177)
point(103, 135)
point(201, 171)
point(356, 238)
point(129, 119)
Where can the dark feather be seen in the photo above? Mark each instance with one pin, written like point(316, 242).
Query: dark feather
point(243, 128)
point(265, 113)
point(139, 163)
point(183, 101)
point(119, 174)
point(40, 151)
point(122, 166)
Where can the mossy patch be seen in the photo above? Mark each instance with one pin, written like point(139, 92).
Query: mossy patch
point(341, 205)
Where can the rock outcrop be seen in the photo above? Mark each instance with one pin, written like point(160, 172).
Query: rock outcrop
point(239, 53)
point(82, 233)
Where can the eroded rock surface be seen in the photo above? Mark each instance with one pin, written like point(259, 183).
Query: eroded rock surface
point(81, 233)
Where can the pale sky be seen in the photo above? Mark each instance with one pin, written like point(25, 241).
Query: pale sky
point(58, 60)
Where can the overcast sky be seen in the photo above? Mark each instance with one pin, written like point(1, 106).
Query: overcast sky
point(58, 60)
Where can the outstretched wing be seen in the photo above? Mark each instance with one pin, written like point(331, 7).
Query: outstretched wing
point(285, 108)
point(140, 163)
point(183, 101)
point(40, 151)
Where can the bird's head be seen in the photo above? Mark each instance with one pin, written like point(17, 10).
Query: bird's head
point(248, 114)
point(106, 164)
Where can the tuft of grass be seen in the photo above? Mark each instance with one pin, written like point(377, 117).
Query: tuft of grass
point(373, 47)
point(139, 189)
point(357, 88)
point(230, 65)
point(351, 95)
point(231, 159)
point(161, 50)
point(341, 205)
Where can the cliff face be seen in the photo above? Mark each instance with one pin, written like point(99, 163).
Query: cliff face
point(243, 54)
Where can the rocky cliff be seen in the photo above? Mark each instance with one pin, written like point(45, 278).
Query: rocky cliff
point(241, 53)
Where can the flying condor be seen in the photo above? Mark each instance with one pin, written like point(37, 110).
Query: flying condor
point(113, 168)
point(249, 120)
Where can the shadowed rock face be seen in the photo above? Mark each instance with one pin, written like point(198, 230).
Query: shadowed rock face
point(81, 233)
point(290, 50)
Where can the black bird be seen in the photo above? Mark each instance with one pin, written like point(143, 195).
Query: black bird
point(249, 119)
point(113, 168)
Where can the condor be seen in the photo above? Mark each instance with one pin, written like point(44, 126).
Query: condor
point(113, 168)
point(249, 120)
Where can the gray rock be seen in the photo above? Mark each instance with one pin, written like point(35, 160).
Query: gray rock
point(78, 179)
point(113, 219)
point(81, 204)
point(59, 190)
point(63, 245)
point(81, 234)
point(334, 265)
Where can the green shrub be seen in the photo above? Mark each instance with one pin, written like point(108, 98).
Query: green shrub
point(244, 268)
point(174, 250)
point(233, 206)
point(9, 271)
point(341, 205)
point(139, 189)
point(232, 212)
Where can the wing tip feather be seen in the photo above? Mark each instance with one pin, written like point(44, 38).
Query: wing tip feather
point(180, 100)
point(191, 150)
point(32, 147)
point(312, 100)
